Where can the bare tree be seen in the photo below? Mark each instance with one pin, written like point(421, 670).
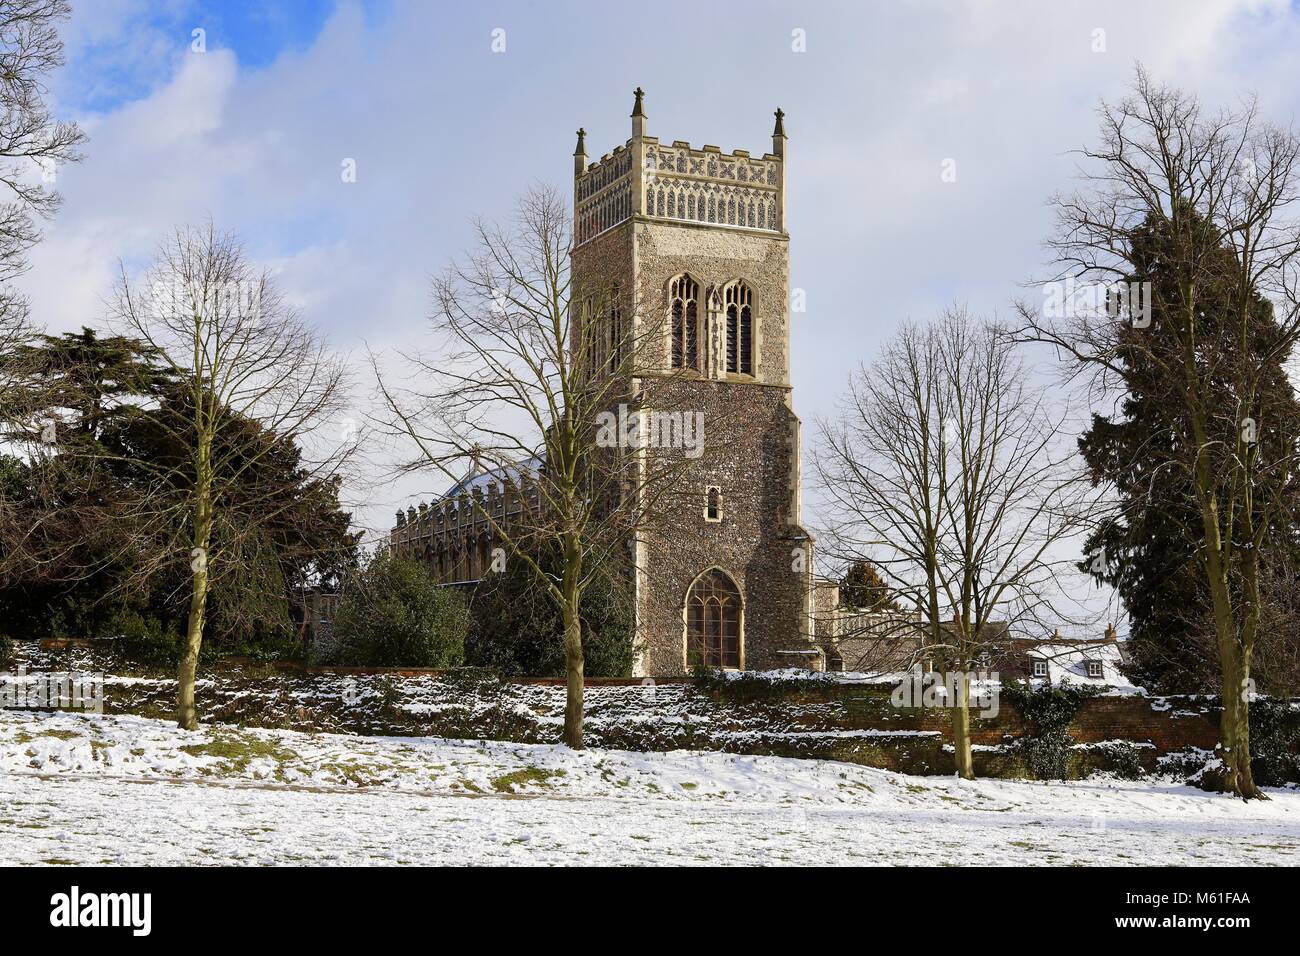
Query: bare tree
point(32, 142)
point(252, 376)
point(1200, 207)
point(945, 467)
point(527, 387)
point(14, 398)
point(32, 145)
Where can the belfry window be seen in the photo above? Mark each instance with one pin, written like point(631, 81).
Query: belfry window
point(738, 302)
point(684, 312)
point(615, 330)
point(601, 333)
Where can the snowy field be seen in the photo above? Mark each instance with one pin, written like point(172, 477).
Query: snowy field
point(89, 790)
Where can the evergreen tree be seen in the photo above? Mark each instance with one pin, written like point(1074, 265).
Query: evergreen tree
point(864, 589)
point(1149, 552)
point(394, 614)
point(518, 631)
point(82, 556)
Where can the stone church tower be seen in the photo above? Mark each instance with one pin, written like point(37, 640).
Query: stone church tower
point(697, 237)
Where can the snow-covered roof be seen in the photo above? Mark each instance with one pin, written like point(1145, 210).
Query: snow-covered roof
point(1067, 663)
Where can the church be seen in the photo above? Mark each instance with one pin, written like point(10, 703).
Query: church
point(699, 237)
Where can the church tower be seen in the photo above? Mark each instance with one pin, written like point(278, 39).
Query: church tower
point(697, 237)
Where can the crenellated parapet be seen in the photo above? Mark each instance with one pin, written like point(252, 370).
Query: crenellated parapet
point(678, 183)
point(455, 534)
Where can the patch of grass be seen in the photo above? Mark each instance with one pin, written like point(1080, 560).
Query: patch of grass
point(689, 786)
point(238, 752)
point(354, 773)
point(59, 734)
point(507, 782)
point(855, 785)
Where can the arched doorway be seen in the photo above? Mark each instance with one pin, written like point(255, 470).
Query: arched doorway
point(713, 621)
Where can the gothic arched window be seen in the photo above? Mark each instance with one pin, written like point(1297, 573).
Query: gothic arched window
point(684, 312)
point(713, 636)
point(738, 302)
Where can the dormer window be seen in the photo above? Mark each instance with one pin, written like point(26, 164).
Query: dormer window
point(1040, 667)
point(1094, 668)
point(713, 503)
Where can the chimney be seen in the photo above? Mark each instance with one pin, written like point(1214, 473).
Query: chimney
point(1110, 633)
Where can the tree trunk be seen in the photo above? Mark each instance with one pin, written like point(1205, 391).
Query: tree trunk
point(1234, 664)
point(187, 714)
point(573, 664)
point(573, 673)
point(961, 752)
point(1234, 734)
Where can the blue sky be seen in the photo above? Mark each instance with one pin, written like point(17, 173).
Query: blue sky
point(253, 130)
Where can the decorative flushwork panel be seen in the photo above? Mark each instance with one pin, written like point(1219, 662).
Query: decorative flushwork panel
point(603, 196)
point(690, 162)
point(606, 210)
point(693, 201)
point(680, 184)
point(604, 174)
point(706, 186)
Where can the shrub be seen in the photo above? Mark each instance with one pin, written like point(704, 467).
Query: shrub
point(1274, 742)
point(143, 639)
point(394, 614)
point(744, 687)
point(518, 630)
point(6, 646)
point(1047, 713)
point(1122, 759)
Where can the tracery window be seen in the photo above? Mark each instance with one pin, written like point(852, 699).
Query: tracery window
point(738, 302)
point(713, 621)
point(614, 334)
point(684, 314)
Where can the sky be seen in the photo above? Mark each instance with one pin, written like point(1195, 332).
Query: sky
point(246, 111)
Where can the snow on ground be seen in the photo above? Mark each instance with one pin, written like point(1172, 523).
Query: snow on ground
point(102, 789)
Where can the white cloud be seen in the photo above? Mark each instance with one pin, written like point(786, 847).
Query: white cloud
point(441, 129)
